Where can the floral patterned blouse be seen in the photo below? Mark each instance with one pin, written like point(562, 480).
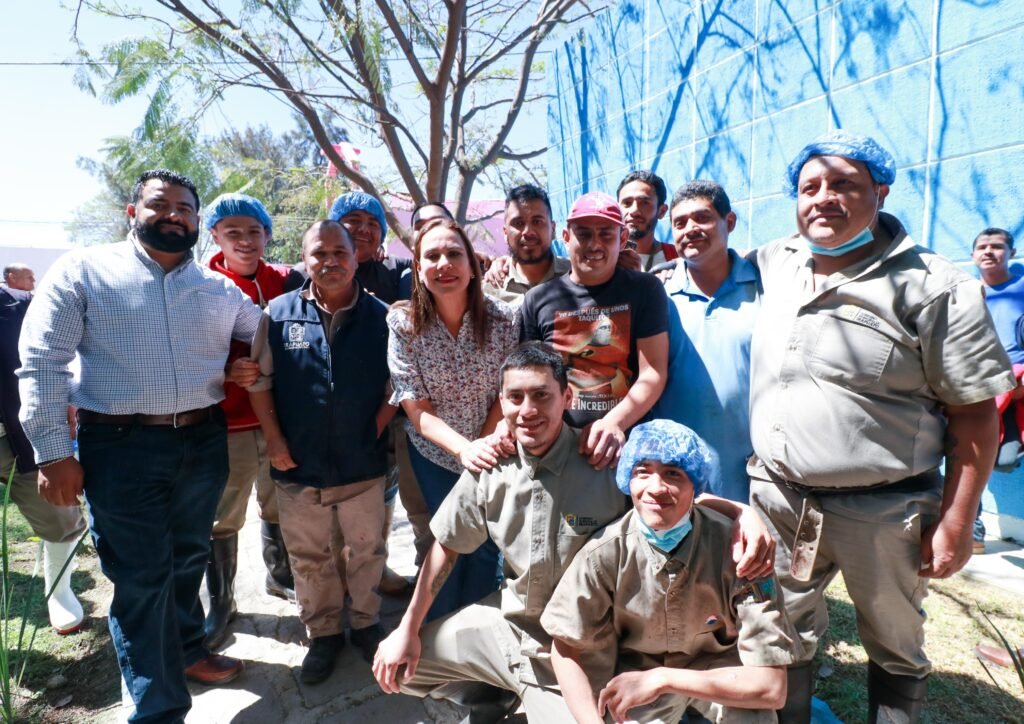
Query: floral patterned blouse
point(459, 378)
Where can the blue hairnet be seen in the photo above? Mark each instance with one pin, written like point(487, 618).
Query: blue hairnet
point(227, 205)
point(666, 442)
point(848, 145)
point(359, 201)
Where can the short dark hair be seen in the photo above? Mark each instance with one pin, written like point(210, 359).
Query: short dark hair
point(326, 222)
point(648, 177)
point(994, 231)
point(703, 189)
point(528, 192)
point(416, 212)
point(536, 354)
point(170, 177)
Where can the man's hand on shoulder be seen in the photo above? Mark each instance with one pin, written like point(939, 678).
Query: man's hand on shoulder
point(753, 548)
point(60, 483)
point(630, 259)
point(498, 271)
point(601, 441)
point(400, 649)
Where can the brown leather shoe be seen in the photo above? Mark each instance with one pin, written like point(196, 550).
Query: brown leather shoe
point(214, 670)
point(393, 584)
point(996, 655)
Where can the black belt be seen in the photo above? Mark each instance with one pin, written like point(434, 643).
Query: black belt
point(914, 484)
point(178, 419)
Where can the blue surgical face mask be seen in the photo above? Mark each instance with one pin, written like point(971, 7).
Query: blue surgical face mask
point(863, 238)
point(667, 540)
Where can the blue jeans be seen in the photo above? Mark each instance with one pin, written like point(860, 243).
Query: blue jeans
point(473, 576)
point(152, 493)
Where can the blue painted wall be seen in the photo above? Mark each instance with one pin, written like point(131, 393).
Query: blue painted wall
point(732, 89)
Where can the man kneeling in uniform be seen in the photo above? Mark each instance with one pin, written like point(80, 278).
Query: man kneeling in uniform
point(653, 610)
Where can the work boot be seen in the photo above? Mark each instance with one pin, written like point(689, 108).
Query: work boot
point(800, 683)
point(487, 704)
point(367, 640)
point(279, 581)
point(65, 610)
point(321, 657)
point(391, 583)
point(220, 582)
point(894, 699)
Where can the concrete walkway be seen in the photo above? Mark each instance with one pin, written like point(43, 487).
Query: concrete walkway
point(1001, 565)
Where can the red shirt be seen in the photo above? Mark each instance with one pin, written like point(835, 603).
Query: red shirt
point(268, 282)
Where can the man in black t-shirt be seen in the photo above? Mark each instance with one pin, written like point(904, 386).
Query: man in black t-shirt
point(610, 325)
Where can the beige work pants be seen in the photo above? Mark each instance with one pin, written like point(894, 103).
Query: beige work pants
point(52, 523)
point(476, 644)
point(409, 491)
point(247, 464)
point(307, 515)
point(874, 539)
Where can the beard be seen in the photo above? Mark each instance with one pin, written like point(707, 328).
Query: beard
point(640, 232)
point(546, 256)
point(168, 242)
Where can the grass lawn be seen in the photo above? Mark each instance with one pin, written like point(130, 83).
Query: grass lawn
point(959, 690)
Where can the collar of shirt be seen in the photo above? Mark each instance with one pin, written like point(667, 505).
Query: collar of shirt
point(559, 267)
point(741, 271)
point(678, 559)
point(900, 242)
point(331, 320)
point(554, 459)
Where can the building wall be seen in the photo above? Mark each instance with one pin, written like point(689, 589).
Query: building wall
point(732, 89)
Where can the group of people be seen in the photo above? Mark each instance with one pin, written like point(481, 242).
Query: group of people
point(631, 471)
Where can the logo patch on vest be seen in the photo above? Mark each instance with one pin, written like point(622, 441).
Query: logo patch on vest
point(296, 337)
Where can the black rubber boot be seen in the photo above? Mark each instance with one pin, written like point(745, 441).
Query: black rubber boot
point(894, 699)
point(800, 684)
point(279, 580)
point(220, 582)
point(487, 704)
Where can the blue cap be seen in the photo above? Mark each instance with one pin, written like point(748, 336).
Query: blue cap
point(359, 201)
point(669, 443)
point(227, 205)
point(848, 145)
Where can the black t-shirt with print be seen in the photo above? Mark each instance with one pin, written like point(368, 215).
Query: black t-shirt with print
point(596, 329)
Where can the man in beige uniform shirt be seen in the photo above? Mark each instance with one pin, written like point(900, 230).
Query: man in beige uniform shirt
point(872, 358)
point(651, 615)
point(539, 507)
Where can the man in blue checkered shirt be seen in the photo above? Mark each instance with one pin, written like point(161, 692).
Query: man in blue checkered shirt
point(151, 328)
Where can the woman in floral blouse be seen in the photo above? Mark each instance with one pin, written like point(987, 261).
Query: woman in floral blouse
point(446, 347)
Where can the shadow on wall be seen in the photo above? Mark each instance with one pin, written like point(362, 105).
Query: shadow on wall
point(731, 90)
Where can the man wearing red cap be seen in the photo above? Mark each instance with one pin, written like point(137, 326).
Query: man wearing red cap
point(610, 324)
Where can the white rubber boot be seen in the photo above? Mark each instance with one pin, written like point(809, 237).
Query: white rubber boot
point(66, 613)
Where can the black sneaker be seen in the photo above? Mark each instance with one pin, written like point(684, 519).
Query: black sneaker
point(320, 659)
point(367, 640)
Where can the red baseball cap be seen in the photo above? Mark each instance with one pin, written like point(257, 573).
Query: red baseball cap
point(596, 205)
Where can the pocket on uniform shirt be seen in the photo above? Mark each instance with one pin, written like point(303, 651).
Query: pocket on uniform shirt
point(849, 354)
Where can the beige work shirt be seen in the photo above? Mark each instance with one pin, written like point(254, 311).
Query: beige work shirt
point(539, 512)
point(516, 285)
point(638, 607)
point(848, 379)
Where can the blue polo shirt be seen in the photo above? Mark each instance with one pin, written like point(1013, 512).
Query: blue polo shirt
point(1006, 305)
point(708, 386)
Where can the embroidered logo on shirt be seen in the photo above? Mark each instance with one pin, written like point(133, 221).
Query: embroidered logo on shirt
point(860, 316)
point(296, 337)
point(579, 521)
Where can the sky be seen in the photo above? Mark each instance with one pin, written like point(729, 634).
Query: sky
point(47, 123)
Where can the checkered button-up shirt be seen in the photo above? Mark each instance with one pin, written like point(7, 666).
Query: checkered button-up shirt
point(149, 341)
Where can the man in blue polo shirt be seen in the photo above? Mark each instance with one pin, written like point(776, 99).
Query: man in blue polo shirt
point(715, 297)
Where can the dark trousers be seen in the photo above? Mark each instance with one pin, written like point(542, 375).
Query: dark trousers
point(152, 493)
point(473, 576)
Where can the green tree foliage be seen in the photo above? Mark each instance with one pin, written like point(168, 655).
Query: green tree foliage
point(439, 85)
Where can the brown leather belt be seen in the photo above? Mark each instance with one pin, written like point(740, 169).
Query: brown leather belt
point(178, 419)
